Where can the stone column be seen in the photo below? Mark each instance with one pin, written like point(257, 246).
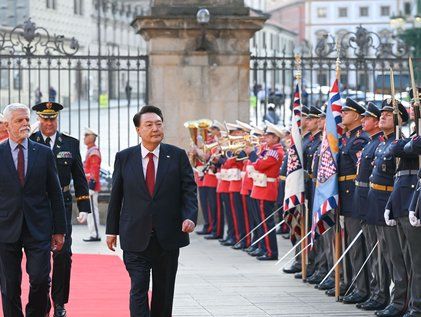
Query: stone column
point(187, 83)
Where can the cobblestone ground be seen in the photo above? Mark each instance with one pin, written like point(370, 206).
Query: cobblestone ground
point(218, 281)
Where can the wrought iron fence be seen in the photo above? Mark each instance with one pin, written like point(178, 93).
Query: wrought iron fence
point(366, 59)
point(99, 91)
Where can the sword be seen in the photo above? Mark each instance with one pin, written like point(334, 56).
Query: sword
point(255, 228)
point(296, 255)
point(342, 256)
point(267, 233)
point(361, 269)
point(293, 248)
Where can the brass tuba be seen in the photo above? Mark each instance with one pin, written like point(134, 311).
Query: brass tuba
point(204, 125)
point(192, 126)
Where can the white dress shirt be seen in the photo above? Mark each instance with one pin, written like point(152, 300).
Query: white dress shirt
point(145, 159)
point(53, 139)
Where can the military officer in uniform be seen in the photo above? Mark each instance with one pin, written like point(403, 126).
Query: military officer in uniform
point(381, 187)
point(413, 232)
point(378, 297)
point(352, 144)
point(69, 166)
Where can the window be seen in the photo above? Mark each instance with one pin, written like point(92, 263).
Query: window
point(363, 11)
point(78, 7)
point(407, 8)
point(343, 12)
point(321, 12)
point(385, 11)
point(51, 4)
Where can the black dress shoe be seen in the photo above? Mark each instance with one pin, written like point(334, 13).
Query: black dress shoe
point(360, 305)
point(212, 237)
point(228, 243)
point(250, 249)
point(291, 270)
point(327, 284)
point(238, 246)
point(257, 252)
point(92, 239)
point(266, 257)
point(342, 291)
point(316, 278)
point(202, 232)
point(59, 311)
point(373, 305)
point(354, 298)
point(389, 311)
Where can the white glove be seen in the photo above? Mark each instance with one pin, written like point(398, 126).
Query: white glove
point(389, 222)
point(342, 221)
point(83, 216)
point(415, 222)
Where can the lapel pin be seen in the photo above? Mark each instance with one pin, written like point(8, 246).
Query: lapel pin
point(168, 156)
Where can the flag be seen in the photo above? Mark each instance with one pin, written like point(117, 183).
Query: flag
point(326, 192)
point(294, 182)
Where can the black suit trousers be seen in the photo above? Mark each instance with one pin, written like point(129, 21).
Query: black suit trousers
point(163, 264)
point(38, 268)
point(62, 264)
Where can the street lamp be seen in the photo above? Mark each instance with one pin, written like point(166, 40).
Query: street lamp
point(202, 17)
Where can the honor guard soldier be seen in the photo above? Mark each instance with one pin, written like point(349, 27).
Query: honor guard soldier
point(377, 297)
point(265, 188)
point(69, 166)
point(414, 237)
point(398, 209)
point(381, 187)
point(92, 167)
point(352, 144)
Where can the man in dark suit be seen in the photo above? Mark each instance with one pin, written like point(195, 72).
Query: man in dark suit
point(32, 215)
point(153, 207)
point(69, 167)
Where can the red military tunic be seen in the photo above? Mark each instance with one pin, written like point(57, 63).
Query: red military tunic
point(92, 166)
point(269, 166)
point(223, 182)
point(198, 174)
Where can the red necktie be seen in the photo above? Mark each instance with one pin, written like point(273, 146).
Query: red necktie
point(21, 165)
point(150, 174)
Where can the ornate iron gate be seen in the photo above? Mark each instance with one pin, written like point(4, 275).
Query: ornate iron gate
point(99, 91)
point(366, 58)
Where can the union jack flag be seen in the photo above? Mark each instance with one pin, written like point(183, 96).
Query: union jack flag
point(326, 193)
point(294, 183)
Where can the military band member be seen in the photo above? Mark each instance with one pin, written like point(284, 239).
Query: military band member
point(378, 297)
point(381, 187)
point(265, 188)
point(92, 167)
point(69, 166)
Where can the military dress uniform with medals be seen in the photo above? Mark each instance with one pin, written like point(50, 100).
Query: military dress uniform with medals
point(69, 166)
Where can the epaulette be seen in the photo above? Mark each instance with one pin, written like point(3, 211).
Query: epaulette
point(67, 135)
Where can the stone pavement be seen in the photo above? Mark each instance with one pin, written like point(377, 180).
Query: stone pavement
point(217, 281)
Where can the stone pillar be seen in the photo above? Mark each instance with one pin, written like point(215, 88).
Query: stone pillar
point(187, 83)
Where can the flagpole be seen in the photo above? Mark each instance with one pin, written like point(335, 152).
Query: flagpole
point(338, 242)
point(303, 211)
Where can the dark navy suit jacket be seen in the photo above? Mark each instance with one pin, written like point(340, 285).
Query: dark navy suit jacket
point(134, 214)
point(39, 201)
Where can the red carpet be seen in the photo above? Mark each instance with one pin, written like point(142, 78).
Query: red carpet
point(99, 288)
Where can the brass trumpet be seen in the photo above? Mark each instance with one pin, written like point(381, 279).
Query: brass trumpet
point(203, 125)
